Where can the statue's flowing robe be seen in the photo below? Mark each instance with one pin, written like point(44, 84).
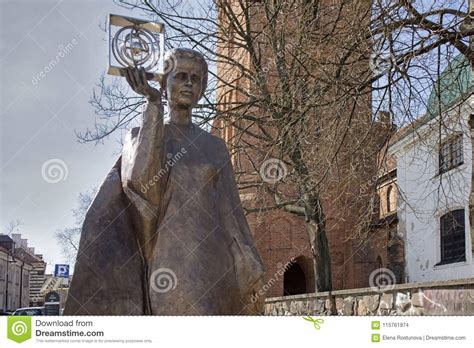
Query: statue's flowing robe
point(204, 259)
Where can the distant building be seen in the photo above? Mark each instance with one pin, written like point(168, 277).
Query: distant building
point(426, 193)
point(37, 275)
point(14, 276)
point(21, 273)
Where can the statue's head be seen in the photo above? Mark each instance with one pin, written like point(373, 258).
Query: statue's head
point(185, 78)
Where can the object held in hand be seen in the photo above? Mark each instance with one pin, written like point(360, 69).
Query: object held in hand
point(136, 43)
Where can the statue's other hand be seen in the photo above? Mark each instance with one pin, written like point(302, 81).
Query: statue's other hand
point(137, 80)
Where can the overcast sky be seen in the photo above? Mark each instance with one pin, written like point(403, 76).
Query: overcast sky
point(41, 108)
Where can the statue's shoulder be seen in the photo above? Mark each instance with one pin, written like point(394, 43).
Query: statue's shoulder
point(202, 136)
point(215, 141)
point(209, 136)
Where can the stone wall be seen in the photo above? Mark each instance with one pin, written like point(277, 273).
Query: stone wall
point(432, 298)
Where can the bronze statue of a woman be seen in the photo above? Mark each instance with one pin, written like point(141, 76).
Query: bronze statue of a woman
point(166, 233)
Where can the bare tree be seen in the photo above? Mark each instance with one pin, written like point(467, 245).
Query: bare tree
point(68, 238)
point(299, 83)
point(12, 227)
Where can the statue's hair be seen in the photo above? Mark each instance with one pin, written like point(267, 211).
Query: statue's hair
point(173, 55)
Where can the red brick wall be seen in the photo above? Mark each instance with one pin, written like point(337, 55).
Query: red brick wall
point(281, 236)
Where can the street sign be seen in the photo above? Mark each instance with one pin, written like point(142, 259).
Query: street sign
point(51, 303)
point(61, 271)
point(51, 309)
point(52, 297)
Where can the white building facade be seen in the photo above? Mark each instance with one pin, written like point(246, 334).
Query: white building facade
point(434, 183)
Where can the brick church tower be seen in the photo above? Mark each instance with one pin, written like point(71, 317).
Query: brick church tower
point(280, 235)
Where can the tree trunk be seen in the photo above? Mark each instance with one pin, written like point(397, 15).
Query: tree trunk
point(316, 229)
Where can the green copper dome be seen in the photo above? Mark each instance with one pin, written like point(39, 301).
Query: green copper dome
point(455, 83)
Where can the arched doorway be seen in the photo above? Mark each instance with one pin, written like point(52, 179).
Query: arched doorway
point(299, 277)
point(294, 281)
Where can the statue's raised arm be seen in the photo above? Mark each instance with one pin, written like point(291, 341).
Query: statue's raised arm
point(142, 158)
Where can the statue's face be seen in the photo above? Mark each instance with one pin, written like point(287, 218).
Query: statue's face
point(184, 84)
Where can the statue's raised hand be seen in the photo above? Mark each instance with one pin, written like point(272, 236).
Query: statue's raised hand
point(137, 80)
